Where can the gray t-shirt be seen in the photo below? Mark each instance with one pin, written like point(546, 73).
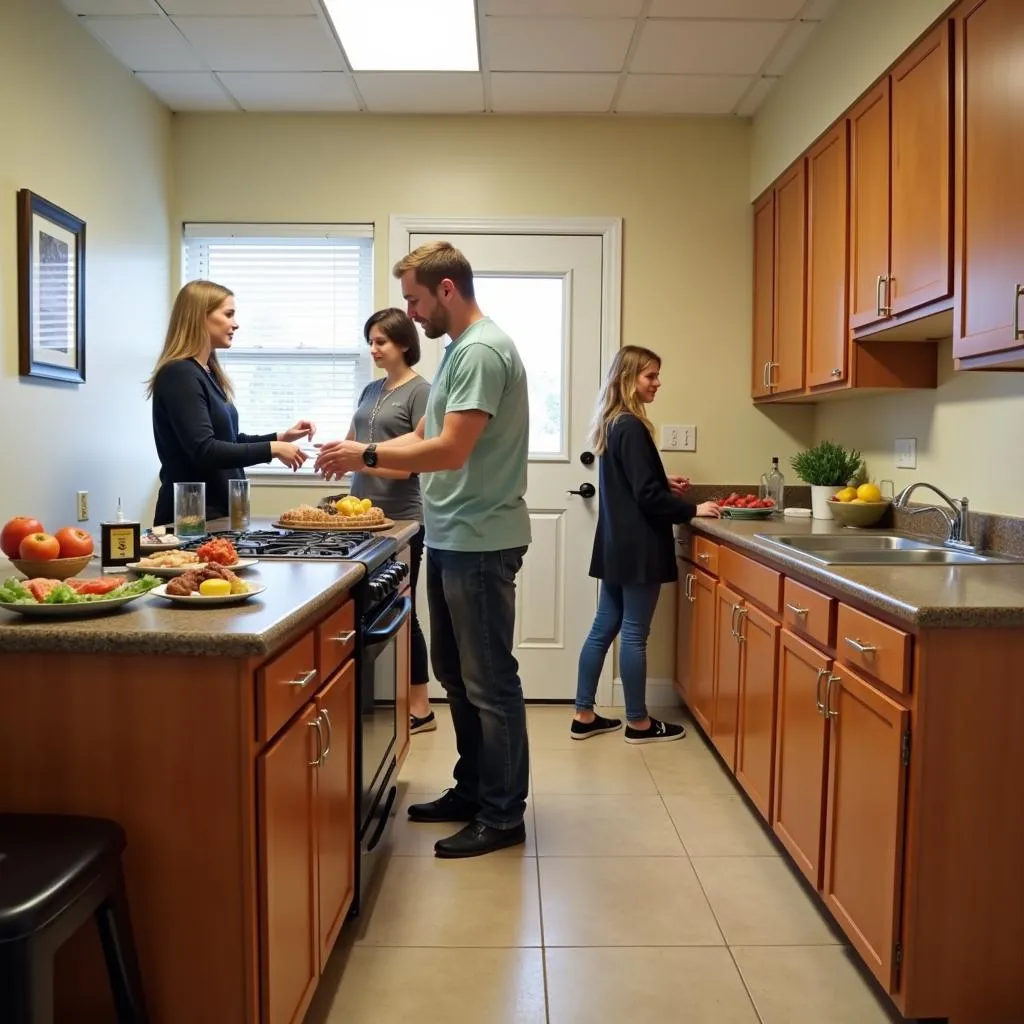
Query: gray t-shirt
point(398, 414)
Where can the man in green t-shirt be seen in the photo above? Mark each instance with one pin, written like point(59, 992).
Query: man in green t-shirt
point(472, 446)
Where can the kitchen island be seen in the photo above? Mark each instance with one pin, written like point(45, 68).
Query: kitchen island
point(222, 739)
point(873, 716)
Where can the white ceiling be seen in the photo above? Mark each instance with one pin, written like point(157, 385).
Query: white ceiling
point(630, 57)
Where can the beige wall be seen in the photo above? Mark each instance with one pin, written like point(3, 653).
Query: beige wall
point(847, 53)
point(77, 130)
point(680, 186)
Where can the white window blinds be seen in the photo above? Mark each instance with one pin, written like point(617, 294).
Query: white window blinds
point(303, 293)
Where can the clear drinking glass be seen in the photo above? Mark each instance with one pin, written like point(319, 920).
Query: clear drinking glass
point(238, 504)
point(190, 509)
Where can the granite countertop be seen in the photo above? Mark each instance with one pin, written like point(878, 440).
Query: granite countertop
point(296, 591)
point(924, 596)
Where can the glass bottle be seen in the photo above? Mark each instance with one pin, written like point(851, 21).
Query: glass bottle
point(773, 484)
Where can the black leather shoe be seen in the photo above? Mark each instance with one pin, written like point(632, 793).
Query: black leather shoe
point(476, 839)
point(449, 806)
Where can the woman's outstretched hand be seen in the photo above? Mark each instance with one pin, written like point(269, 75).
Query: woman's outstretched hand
point(678, 485)
point(709, 510)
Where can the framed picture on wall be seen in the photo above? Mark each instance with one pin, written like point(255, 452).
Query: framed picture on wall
point(51, 291)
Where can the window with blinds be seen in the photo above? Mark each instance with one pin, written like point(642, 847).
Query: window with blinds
point(303, 293)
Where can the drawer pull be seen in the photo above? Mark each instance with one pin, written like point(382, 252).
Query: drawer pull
point(797, 611)
point(304, 680)
point(859, 647)
point(704, 557)
point(344, 638)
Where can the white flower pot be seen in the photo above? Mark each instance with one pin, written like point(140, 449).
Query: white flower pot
point(820, 497)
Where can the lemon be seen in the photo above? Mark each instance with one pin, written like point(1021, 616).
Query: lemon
point(214, 588)
point(365, 505)
point(858, 501)
point(239, 587)
point(869, 492)
point(846, 494)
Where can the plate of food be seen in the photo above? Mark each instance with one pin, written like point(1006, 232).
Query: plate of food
point(151, 542)
point(220, 551)
point(746, 506)
point(348, 513)
point(166, 564)
point(72, 599)
point(209, 586)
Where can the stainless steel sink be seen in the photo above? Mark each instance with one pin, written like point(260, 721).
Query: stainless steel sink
point(877, 549)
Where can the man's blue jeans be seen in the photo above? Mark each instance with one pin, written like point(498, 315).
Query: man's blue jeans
point(472, 601)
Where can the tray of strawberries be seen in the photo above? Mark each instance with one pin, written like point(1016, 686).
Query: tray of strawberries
point(746, 506)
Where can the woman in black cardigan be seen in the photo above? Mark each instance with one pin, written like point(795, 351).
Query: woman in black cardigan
point(633, 548)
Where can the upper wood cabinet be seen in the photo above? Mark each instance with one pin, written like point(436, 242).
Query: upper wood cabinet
point(827, 254)
point(786, 372)
point(988, 314)
point(900, 187)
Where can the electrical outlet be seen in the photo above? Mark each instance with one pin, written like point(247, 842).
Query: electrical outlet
point(679, 437)
point(906, 453)
point(83, 506)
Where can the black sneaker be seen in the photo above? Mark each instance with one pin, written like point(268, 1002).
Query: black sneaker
point(584, 730)
point(476, 839)
point(449, 806)
point(656, 732)
point(428, 723)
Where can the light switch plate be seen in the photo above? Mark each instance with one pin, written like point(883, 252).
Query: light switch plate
point(679, 437)
point(906, 453)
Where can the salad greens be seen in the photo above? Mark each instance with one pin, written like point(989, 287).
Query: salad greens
point(13, 592)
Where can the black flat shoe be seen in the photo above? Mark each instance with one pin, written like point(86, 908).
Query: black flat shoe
point(449, 806)
point(428, 723)
point(656, 732)
point(476, 839)
point(584, 730)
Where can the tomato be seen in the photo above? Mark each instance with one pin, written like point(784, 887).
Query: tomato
point(38, 547)
point(74, 543)
point(40, 588)
point(104, 585)
point(14, 531)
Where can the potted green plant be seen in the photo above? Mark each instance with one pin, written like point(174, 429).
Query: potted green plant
point(827, 467)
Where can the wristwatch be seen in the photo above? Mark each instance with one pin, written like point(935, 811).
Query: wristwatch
point(370, 455)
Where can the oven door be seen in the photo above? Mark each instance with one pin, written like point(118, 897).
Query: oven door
point(378, 691)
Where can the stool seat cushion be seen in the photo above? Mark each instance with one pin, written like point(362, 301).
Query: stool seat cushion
point(46, 862)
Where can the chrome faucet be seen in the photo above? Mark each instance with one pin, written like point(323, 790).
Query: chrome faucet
point(958, 524)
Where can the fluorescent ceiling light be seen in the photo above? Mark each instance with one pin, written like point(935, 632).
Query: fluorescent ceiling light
point(407, 35)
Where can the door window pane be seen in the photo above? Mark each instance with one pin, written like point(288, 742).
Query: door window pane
point(531, 311)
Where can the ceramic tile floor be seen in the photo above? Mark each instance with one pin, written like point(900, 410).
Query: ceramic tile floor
point(647, 887)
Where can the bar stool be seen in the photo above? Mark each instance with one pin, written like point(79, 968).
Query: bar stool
point(57, 871)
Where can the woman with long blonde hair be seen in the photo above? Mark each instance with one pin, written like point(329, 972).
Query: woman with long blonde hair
point(195, 422)
point(633, 547)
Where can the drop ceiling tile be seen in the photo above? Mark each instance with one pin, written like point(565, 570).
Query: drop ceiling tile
point(680, 94)
point(111, 6)
point(564, 8)
point(792, 43)
point(766, 10)
point(293, 91)
point(557, 44)
point(245, 8)
point(455, 92)
point(523, 92)
point(760, 89)
point(188, 90)
point(263, 44)
point(706, 47)
point(145, 43)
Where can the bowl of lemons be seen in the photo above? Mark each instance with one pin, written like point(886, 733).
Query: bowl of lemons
point(859, 506)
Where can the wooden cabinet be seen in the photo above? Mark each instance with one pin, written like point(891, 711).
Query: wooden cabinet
point(764, 293)
point(801, 751)
point(862, 883)
point(704, 591)
point(827, 249)
point(685, 602)
point(786, 371)
point(725, 720)
point(988, 314)
point(758, 639)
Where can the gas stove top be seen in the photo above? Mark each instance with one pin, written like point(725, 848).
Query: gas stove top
point(305, 545)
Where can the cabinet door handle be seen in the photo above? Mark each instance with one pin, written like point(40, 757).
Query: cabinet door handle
point(879, 281)
point(887, 308)
point(1018, 291)
point(330, 732)
point(739, 611)
point(818, 702)
point(829, 713)
point(797, 610)
point(771, 383)
point(315, 724)
point(344, 638)
point(859, 647)
point(304, 680)
point(837, 373)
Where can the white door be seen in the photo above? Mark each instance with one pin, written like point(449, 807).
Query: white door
point(545, 291)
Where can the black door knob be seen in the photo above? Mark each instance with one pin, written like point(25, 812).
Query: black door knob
point(585, 491)
point(587, 458)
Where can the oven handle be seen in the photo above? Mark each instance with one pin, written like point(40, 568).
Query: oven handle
point(388, 625)
point(383, 819)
